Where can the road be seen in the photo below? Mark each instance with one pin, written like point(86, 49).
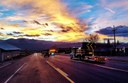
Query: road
point(61, 69)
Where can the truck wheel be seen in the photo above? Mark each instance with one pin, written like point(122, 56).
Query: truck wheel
point(71, 57)
point(80, 57)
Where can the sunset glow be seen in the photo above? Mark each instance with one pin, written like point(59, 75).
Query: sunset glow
point(57, 20)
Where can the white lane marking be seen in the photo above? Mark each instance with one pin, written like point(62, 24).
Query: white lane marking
point(61, 72)
point(5, 65)
point(14, 74)
point(111, 68)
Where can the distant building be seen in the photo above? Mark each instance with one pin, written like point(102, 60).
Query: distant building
point(122, 49)
point(8, 51)
point(102, 49)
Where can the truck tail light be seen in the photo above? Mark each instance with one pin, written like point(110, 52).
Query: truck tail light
point(95, 58)
point(106, 59)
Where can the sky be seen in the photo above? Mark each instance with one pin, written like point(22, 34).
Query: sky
point(62, 20)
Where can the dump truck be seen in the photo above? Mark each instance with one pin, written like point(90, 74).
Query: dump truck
point(86, 52)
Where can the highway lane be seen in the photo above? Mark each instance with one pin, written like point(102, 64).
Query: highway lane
point(117, 64)
point(82, 72)
point(37, 70)
point(61, 69)
point(7, 71)
point(110, 63)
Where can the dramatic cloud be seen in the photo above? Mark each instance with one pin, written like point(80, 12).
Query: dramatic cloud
point(120, 31)
point(60, 20)
point(17, 32)
point(110, 10)
point(47, 34)
point(1, 14)
point(32, 35)
point(37, 17)
point(108, 15)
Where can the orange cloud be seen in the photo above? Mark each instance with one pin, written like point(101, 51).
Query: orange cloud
point(58, 18)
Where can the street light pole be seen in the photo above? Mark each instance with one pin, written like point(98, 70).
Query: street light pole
point(114, 32)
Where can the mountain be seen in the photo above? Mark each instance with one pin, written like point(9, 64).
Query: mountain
point(31, 44)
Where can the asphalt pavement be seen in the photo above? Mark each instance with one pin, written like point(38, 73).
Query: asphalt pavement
point(61, 69)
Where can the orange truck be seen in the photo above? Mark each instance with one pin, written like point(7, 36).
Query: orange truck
point(52, 51)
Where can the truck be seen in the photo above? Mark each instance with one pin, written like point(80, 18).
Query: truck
point(86, 52)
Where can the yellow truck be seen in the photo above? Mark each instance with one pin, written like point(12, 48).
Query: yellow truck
point(86, 54)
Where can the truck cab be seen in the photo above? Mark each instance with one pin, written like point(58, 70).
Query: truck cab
point(77, 53)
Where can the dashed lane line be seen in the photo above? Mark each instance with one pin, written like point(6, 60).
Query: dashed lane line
point(14, 74)
point(61, 72)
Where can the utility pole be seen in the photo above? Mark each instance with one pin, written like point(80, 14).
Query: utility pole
point(114, 32)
